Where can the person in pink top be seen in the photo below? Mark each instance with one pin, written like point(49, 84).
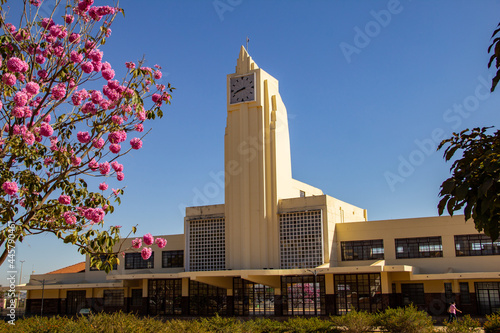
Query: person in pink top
point(452, 310)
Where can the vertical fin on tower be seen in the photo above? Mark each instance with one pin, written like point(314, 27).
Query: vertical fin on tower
point(245, 63)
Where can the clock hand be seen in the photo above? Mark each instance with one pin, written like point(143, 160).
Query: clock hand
point(237, 91)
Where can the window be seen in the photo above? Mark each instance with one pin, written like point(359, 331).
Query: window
point(135, 261)
point(165, 297)
point(422, 247)
point(301, 239)
point(303, 295)
point(363, 250)
point(206, 300)
point(103, 258)
point(464, 293)
point(448, 292)
point(302, 194)
point(207, 244)
point(170, 259)
point(136, 299)
point(476, 245)
point(252, 299)
point(362, 292)
point(413, 293)
point(113, 297)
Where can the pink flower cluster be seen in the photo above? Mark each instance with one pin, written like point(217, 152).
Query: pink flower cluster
point(10, 188)
point(95, 215)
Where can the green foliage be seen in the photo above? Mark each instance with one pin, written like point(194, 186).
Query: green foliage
point(495, 46)
point(221, 324)
point(492, 324)
point(463, 325)
point(307, 325)
point(475, 181)
point(355, 321)
point(405, 320)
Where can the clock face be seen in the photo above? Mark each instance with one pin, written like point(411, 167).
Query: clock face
point(242, 89)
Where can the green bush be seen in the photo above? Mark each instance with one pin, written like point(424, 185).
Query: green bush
point(307, 325)
point(219, 324)
point(492, 324)
point(405, 320)
point(261, 325)
point(355, 321)
point(463, 325)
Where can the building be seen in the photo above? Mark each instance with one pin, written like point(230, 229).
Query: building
point(281, 247)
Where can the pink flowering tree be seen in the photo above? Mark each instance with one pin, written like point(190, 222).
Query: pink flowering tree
point(55, 135)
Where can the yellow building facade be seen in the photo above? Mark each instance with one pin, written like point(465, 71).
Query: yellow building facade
point(280, 247)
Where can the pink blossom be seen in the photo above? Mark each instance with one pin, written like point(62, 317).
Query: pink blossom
point(108, 74)
point(136, 243)
point(32, 88)
point(10, 188)
point(68, 19)
point(42, 73)
point(76, 57)
point(9, 79)
point(46, 118)
point(104, 168)
point(130, 65)
point(40, 59)
point(115, 148)
point(89, 107)
point(18, 112)
point(148, 239)
point(96, 55)
point(141, 115)
point(58, 91)
point(98, 143)
point(117, 137)
point(136, 143)
point(97, 66)
point(116, 192)
point(17, 65)
point(161, 242)
point(139, 128)
point(46, 129)
point(29, 138)
point(120, 176)
point(117, 166)
point(74, 38)
point(83, 137)
point(47, 161)
point(93, 164)
point(146, 253)
point(117, 119)
point(21, 98)
point(157, 74)
point(96, 96)
point(64, 199)
point(103, 186)
point(156, 98)
point(69, 218)
point(75, 160)
point(96, 215)
point(87, 67)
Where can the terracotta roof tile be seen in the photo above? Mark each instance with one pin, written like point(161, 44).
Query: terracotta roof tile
point(76, 268)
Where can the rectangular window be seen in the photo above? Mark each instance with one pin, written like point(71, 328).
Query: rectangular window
point(363, 250)
point(476, 245)
point(413, 293)
point(135, 261)
point(421, 247)
point(464, 293)
point(136, 299)
point(448, 291)
point(171, 259)
point(207, 244)
point(113, 297)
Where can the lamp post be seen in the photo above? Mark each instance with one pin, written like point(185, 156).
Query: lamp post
point(21, 277)
point(43, 289)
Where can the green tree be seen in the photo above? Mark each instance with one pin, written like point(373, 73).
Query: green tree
point(55, 135)
point(475, 182)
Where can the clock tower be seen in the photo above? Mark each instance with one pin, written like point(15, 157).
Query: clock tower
point(258, 170)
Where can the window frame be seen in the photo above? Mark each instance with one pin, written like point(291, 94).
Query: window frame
point(419, 247)
point(366, 250)
point(133, 260)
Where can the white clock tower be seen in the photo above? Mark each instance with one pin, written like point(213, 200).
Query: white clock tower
point(257, 166)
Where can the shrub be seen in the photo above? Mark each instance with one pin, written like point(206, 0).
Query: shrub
point(221, 324)
point(462, 325)
point(355, 321)
point(405, 320)
point(492, 324)
point(306, 325)
point(261, 325)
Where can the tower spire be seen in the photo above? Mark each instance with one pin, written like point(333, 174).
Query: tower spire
point(245, 63)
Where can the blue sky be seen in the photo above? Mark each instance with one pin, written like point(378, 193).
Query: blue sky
point(370, 88)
